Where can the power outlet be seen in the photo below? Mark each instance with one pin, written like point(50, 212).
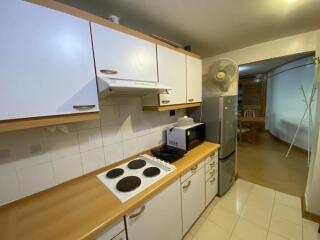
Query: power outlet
point(172, 113)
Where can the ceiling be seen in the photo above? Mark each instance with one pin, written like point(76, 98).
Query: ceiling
point(265, 66)
point(211, 26)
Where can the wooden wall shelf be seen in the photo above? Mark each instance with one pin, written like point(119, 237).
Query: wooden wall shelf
point(16, 124)
point(170, 107)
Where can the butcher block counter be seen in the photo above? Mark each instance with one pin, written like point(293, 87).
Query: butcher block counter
point(84, 207)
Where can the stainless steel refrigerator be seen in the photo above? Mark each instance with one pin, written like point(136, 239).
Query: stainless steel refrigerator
point(219, 115)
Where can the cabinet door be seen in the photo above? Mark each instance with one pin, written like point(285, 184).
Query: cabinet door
point(194, 80)
point(46, 62)
point(115, 232)
point(121, 56)
point(172, 72)
point(159, 218)
point(193, 198)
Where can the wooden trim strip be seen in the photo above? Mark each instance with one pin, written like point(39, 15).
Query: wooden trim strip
point(16, 124)
point(99, 20)
point(170, 107)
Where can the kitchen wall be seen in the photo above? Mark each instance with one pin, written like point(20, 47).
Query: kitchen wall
point(285, 101)
point(36, 159)
point(300, 43)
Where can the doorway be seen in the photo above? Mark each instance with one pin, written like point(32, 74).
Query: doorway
point(273, 95)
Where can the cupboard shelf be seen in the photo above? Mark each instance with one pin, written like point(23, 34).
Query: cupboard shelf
point(170, 107)
point(16, 124)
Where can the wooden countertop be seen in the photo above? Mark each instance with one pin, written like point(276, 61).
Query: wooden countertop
point(82, 208)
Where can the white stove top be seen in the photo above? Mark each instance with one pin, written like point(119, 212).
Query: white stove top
point(111, 183)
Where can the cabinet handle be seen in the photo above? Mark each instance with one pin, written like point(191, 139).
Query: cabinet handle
point(213, 180)
point(108, 71)
point(83, 107)
point(187, 186)
point(212, 164)
point(194, 168)
point(190, 99)
point(138, 213)
point(212, 172)
point(165, 101)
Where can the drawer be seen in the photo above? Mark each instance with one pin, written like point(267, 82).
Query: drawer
point(212, 173)
point(192, 171)
point(211, 189)
point(212, 157)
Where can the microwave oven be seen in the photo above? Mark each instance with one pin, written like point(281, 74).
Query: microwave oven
point(186, 137)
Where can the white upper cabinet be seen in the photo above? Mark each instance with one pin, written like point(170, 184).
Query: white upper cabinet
point(122, 56)
point(46, 62)
point(172, 72)
point(159, 218)
point(194, 80)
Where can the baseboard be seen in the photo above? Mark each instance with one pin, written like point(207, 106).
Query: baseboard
point(306, 214)
point(294, 146)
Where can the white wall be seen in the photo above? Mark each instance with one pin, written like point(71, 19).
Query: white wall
point(300, 43)
point(285, 101)
point(36, 159)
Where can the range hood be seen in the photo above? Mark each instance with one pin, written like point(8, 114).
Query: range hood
point(110, 86)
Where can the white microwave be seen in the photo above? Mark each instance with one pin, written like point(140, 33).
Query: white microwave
point(186, 137)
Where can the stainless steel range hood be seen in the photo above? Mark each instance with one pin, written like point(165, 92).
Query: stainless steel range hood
point(110, 86)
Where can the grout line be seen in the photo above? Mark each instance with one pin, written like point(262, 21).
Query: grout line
point(274, 201)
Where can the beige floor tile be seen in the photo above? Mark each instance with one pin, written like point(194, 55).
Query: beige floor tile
point(288, 200)
point(188, 236)
point(210, 231)
point(238, 193)
point(232, 205)
point(234, 237)
point(246, 230)
point(288, 213)
point(256, 214)
point(286, 228)
point(197, 225)
point(310, 230)
point(210, 207)
point(223, 218)
point(273, 236)
point(261, 192)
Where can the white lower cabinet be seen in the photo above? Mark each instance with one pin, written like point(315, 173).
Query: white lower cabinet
point(159, 218)
point(115, 232)
point(193, 197)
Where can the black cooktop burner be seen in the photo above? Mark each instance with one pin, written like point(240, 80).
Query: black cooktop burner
point(136, 164)
point(151, 172)
point(128, 184)
point(116, 172)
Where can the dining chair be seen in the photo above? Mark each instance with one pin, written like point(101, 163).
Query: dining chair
point(249, 113)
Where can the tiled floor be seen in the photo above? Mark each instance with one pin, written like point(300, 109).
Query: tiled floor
point(252, 212)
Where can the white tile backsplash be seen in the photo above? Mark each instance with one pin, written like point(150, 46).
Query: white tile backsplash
point(93, 160)
point(90, 139)
point(36, 159)
point(113, 153)
point(67, 168)
point(36, 178)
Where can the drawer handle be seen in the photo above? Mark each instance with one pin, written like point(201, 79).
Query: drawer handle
point(212, 164)
point(212, 172)
point(213, 180)
point(194, 168)
point(190, 99)
point(187, 186)
point(83, 107)
point(138, 213)
point(108, 71)
point(165, 101)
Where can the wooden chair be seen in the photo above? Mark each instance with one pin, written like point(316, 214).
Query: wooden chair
point(249, 113)
point(247, 131)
